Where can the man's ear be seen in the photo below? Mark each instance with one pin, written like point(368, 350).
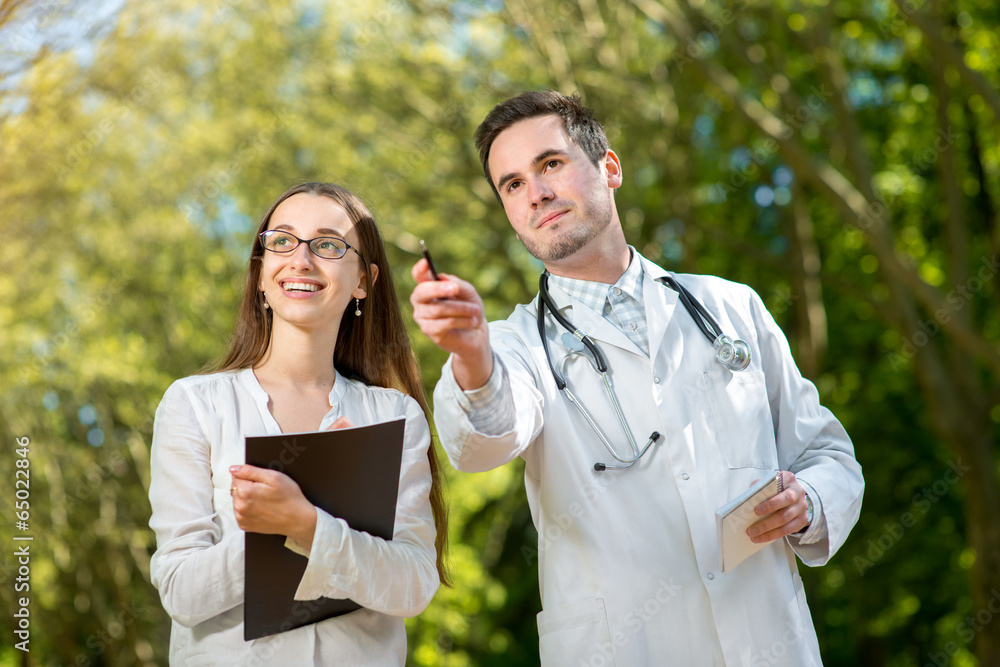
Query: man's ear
point(613, 167)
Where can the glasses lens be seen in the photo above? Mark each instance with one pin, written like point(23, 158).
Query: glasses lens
point(329, 247)
point(279, 241)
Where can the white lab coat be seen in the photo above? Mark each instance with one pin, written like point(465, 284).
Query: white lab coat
point(629, 563)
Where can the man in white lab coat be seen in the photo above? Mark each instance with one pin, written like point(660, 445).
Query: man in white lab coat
point(628, 558)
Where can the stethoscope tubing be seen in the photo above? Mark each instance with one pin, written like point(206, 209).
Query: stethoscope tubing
point(702, 318)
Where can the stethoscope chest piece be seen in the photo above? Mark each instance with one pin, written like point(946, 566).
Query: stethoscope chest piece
point(733, 354)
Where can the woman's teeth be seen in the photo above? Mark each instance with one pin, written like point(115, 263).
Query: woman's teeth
point(301, 287)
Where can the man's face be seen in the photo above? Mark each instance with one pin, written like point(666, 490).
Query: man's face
point(556, 199)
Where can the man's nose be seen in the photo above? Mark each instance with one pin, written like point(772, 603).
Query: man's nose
point(539, 191)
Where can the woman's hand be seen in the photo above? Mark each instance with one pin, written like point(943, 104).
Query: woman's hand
point(270, 502)
point(342, 422)
point(267, 501)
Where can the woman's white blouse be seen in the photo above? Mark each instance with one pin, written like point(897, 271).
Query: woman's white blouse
point(198, 565)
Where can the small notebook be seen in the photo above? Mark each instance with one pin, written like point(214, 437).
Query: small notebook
point(733, 519)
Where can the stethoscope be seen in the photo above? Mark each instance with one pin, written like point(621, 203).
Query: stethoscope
point(733, 354)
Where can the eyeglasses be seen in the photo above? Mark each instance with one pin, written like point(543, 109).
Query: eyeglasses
point(327, 247)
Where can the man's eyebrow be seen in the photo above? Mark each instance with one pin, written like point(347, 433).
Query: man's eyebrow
point(541, 157)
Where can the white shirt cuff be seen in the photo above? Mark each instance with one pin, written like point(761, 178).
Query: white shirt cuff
point(817, 529)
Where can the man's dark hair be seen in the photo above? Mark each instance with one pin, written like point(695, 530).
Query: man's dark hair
point(582, 128)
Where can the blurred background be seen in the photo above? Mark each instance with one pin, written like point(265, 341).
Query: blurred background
point(840, 156)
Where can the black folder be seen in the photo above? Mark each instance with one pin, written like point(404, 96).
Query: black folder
point(351, 473)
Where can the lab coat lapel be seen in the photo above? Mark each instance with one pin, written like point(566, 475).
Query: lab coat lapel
point(661, 305)
point(590, 322)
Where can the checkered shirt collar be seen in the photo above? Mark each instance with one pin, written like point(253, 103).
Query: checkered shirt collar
point(594, 294)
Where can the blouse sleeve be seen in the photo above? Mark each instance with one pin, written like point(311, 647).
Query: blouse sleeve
point(197, 567)
point(396, 577)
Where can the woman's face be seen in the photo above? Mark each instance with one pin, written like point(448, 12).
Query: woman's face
point(302, 288)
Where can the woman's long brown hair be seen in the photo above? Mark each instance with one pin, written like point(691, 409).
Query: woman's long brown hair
point(374, 347)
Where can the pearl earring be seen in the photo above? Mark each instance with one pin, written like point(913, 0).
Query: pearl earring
point(357, 307)
point(264, 296)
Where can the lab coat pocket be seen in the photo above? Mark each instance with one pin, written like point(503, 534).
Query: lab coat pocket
point(575, 634)
point(742, 416)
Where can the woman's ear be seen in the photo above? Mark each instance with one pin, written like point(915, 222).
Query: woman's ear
point(360, 292)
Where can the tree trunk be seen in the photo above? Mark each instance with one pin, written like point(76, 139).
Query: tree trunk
point(808, 290)
point(963, 422)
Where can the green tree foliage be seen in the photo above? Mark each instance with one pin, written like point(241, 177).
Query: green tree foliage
point(839, 156)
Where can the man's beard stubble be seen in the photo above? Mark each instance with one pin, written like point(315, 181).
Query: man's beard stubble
point(594, 218)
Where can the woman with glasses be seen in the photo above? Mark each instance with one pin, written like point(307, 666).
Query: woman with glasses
point(319, 343)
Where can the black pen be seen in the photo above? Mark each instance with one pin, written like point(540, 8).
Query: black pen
point(430, 262)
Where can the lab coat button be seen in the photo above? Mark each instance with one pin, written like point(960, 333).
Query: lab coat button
point(685, 476)
point(711, 576)
point(656, 380)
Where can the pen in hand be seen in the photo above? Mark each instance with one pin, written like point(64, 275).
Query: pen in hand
point(430, 262)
